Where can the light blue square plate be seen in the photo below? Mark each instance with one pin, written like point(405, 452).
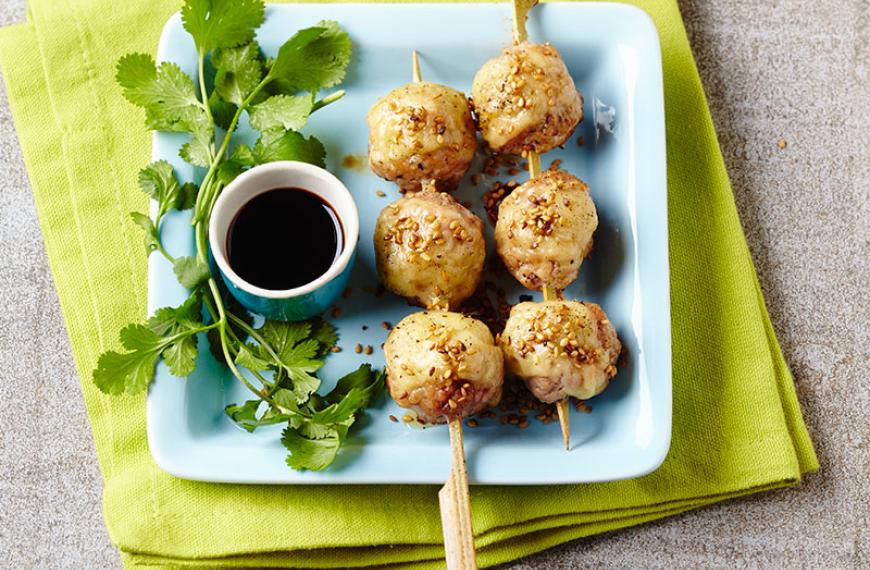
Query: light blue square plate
point(613, 54)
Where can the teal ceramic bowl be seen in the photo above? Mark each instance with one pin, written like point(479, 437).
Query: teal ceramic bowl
point(307, 300)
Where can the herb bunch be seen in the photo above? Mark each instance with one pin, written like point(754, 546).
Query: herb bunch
point(278, 95)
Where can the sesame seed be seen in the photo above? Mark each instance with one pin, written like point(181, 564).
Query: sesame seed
point(393, 418)
point(335, 349)
point(368, 349)
point(358, 348)
point(380, 193)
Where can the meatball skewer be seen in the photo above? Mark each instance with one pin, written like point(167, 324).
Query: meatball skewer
point(443, 365)
point(446, 366)
point(521, 10)
point(573, 347)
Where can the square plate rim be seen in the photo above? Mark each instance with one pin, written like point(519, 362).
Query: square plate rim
point(174, 465)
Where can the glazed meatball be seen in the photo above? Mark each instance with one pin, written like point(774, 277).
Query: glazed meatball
point(430, 249)
point(544, 230)
point(526, 100)
point(443, 365)
point(420, 132)
point(560, 349)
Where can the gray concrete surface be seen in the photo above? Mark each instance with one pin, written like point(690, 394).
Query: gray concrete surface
point(786, 69)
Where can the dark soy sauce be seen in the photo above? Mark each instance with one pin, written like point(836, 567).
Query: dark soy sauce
point(284, 238)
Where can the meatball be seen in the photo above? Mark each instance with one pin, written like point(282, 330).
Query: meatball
point(443, 365)
point(560, 349)
point(526, 100)
point(430, 249)
point(420, 132)
point(544, 230)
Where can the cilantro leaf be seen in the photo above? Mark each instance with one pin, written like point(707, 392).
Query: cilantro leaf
point(158, 181)
point(313, 59)
point(289, 112)
point(363, 380)
point(241, 158)
point(245, 415)
point(118, 373)
point(282, 335)
point(221, 23)
point(190, 271)
point(186, 196)
point(243, 155)
point(198, 150)
point(180, 356)
point(130, 372)
point(325, 334)
point(165, 92)
point(187, 120)
point(295, 353)
point(246, 356)
point(229, 170)
point(181, 323)
point(222, 111)
point(304, 383)
point(288, 145)
point(152, 240)
point(301, 355)
point(169, 321)
point(239, 71)
point(313, 454)
point(310, 429)
point(286, 399)
point(342, 410)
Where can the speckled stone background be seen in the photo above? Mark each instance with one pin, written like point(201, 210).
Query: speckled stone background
point(788, 70)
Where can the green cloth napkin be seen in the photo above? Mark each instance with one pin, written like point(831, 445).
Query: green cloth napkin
point(737, 427)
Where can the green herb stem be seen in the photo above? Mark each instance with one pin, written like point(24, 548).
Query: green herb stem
point(255, 335)
point(331, 98)
point(165, 253)
point(202, 88)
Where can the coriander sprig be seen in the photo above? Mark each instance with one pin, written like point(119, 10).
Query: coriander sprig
point(278, 361)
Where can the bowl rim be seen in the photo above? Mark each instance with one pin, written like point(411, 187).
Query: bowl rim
point(348, 216)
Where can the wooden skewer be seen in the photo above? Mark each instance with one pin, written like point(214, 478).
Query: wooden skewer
point(453, 497)
point(456, 508)
point(521, 13)
point(415, 67)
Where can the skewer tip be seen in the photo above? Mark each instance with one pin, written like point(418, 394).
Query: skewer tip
point(564, 422)
point(415, 67)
